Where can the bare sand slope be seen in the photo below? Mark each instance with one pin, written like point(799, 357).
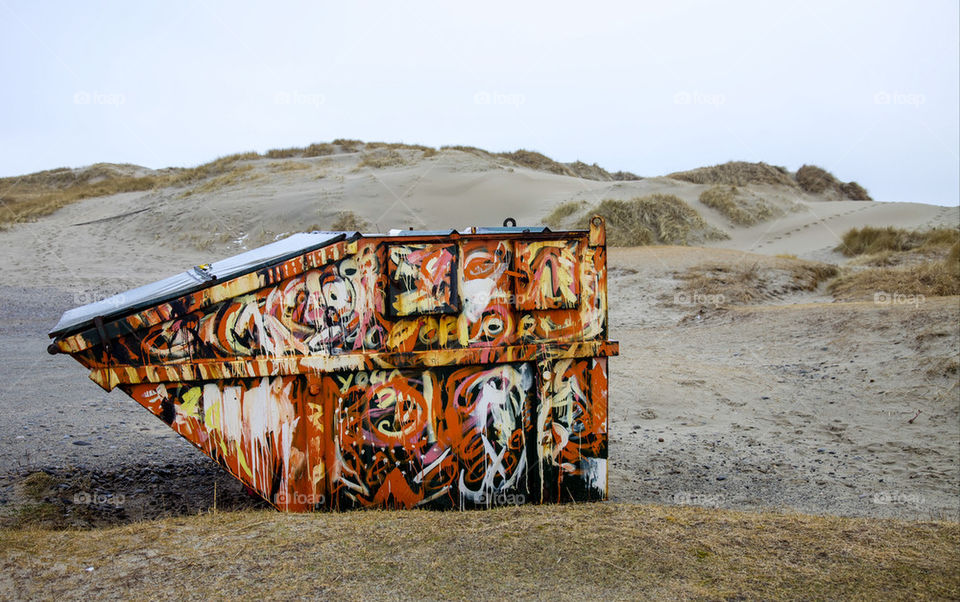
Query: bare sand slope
point(264, 199)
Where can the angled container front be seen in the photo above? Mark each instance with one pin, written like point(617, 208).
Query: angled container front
point(342, 370)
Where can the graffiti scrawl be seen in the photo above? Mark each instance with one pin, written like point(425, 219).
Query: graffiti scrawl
point(455, 371)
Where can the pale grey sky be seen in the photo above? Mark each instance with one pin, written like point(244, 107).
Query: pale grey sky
point(868, 90)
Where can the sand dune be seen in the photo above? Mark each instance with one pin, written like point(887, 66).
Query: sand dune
point(791, 400)
point(257, 200)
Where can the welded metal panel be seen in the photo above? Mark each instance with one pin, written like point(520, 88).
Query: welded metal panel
point(423, 279)
point(453, 371)
point(196, 278)
point(548, 274)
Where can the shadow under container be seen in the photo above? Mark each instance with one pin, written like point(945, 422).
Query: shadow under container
point(335, 370)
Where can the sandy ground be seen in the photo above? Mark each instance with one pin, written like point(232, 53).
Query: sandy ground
point(798, 403)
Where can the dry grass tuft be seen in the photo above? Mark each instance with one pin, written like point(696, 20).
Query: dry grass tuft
point(379, 159)
point(237, 175)
point(945, 367)
point(428, 151)
point(541, 162)
point(289, 166)
point(36, 515)
point(809, 178)
point(577, 169)
point(283, 153)
point(879, 260)
point(870, 240)
point(808, 275)
point(217, 167)
point(563, 211)
point(817, 180)
point(952, 260)
point(723, 199)
point(26, 198)
point(538, 161)
point(729, 201)
point(595, 172)
point(720, 284)
point(586, 551)
point(737, 173)
point(652, 219)
point(854, 192)
point(347, 145)
point(929, 279)
point(319, 150)
point(468, 149)
point(901, 262)
point(246, 156)
point(349, 221)
point(738, 284)
point(38, 484)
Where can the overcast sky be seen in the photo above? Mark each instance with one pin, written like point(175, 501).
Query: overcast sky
point(868, 90)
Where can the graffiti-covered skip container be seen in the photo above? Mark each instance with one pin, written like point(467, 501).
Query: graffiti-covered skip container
point(341, 370)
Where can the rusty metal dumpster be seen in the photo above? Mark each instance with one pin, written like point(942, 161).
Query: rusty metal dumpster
point(340, 370)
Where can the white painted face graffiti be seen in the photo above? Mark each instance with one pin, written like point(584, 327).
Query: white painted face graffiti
point(330, 306)
point(499, 398)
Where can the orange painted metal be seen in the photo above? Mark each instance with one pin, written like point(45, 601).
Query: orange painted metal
point(466, 370)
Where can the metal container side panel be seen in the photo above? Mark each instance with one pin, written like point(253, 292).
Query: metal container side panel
point(451, 437)
point(341, 307)
point(572, 429)
point(289, 385)
point(259, 430)
point(217, 292)
point(334, 308)
point(549, 274)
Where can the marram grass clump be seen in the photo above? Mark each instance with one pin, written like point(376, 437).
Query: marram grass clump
point(379, 159)
point(29, 197)
point(652, 219)
point(729, 201)
point(817, 180)
point(869, 240)
point(905, 262)
point(737, 173)
point(349, 221)
point(928, 279)
point(563, 211)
